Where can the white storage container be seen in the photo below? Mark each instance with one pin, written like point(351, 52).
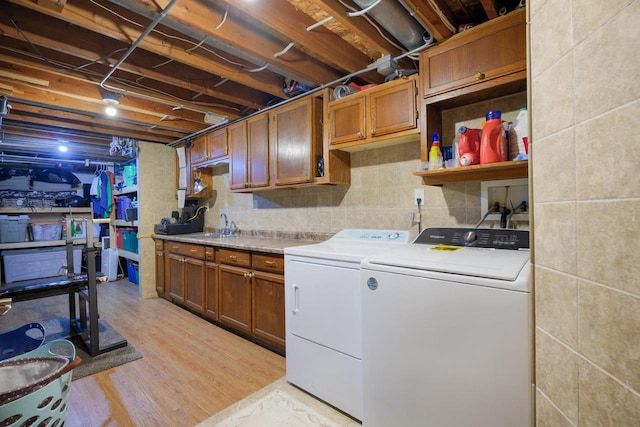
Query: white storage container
point(27, 264)
point(13, 228)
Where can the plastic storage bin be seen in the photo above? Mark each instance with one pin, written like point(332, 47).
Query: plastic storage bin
point(130, 239)
point(132, 271)
point(122, 204)
point(13, 228)
point(44, 231)
point(26, 264)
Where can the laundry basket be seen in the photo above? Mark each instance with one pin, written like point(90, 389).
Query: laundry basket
point(21, 340)
point(47, 405)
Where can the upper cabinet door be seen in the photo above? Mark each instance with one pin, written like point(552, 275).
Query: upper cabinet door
point(258, 147)
point(238, 173)
point(393, 108)
point(293, 138)
point(347, 119)
point(199, 150)
point(218, 146)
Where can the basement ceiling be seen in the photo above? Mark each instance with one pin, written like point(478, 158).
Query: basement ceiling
point(179, 68)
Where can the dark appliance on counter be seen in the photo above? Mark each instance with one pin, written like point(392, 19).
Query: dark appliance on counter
point(190, 221)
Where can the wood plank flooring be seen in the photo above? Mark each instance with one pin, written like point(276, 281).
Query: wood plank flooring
point(190, 369)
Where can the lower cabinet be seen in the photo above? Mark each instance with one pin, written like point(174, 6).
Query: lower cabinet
point(241, 290)
point(187, 275)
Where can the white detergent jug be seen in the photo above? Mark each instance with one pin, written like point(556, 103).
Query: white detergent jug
point(518, 130)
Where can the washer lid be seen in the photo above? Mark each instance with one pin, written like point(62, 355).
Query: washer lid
point(353, 245)
point(477, 262)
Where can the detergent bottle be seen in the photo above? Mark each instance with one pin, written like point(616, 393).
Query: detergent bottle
point(435, 155)
point(469, 146)
point(493, 143)
point(518, 134)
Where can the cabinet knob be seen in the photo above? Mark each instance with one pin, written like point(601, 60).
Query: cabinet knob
point(233, 258)
point(373, 132)
point(159, 253)
point(478, 75)
point(270, 263)
point(359, 134)
point(248, 275)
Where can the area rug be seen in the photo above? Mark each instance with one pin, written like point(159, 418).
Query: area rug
point(280, 405)
point(59, 328)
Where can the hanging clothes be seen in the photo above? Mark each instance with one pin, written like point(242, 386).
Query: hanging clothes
point(103, 199)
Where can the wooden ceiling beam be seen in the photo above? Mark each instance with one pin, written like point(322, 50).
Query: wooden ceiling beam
point(490, 8)
point(357, 25)
point(90, 34)
point(91, 93)
point(435, 19)
point(292, 24)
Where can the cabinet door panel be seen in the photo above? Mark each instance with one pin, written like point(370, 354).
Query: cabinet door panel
point(393, 109)
point(194, 284)
point(176, 284)
point(235, 297)
point(347, 119)
point(268, 308)
point(258, 138)
point(292, 142)
point(159, 245)
point(238, 174)
point(198, 152)
point(211, 291)
point(218, 144)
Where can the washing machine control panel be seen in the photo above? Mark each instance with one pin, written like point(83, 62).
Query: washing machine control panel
point(497, 238)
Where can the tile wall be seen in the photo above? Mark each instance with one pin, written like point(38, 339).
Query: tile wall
point(585, 104)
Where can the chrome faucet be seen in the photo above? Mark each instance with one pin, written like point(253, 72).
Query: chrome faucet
point(226, 220)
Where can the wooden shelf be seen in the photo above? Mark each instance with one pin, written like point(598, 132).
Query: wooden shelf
point(25, 210)
point(123, 223)
point(128, 255)
point(126, 190)
point(490, 172)
point(42, 244)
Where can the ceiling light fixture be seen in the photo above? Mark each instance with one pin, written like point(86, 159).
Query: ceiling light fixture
point(111, 100)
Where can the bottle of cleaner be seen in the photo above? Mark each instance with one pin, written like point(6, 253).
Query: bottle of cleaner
point(435, 155)
point(469, 146)
point(493, 143)
point(518, 131)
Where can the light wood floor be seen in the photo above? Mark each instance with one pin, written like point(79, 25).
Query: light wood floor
point(190, 369)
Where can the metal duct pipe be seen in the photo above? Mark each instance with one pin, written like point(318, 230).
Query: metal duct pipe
point(395, 19)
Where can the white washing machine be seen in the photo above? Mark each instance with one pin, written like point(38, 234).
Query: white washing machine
point(323, 315)
point(447, 331)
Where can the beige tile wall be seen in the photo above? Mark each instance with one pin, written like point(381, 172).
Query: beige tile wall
point(585, 107)
point(380, 194)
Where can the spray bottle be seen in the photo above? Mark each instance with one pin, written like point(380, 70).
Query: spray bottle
point(435, 155)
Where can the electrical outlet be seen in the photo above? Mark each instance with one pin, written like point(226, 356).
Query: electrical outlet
point(418, 193)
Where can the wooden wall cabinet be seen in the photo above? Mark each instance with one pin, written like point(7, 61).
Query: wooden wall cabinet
point(489, 55)
point(209, 148)
point(191, 172)
point(385, 114)
point(296, 140)
point(483, 63)
point(249, 153)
